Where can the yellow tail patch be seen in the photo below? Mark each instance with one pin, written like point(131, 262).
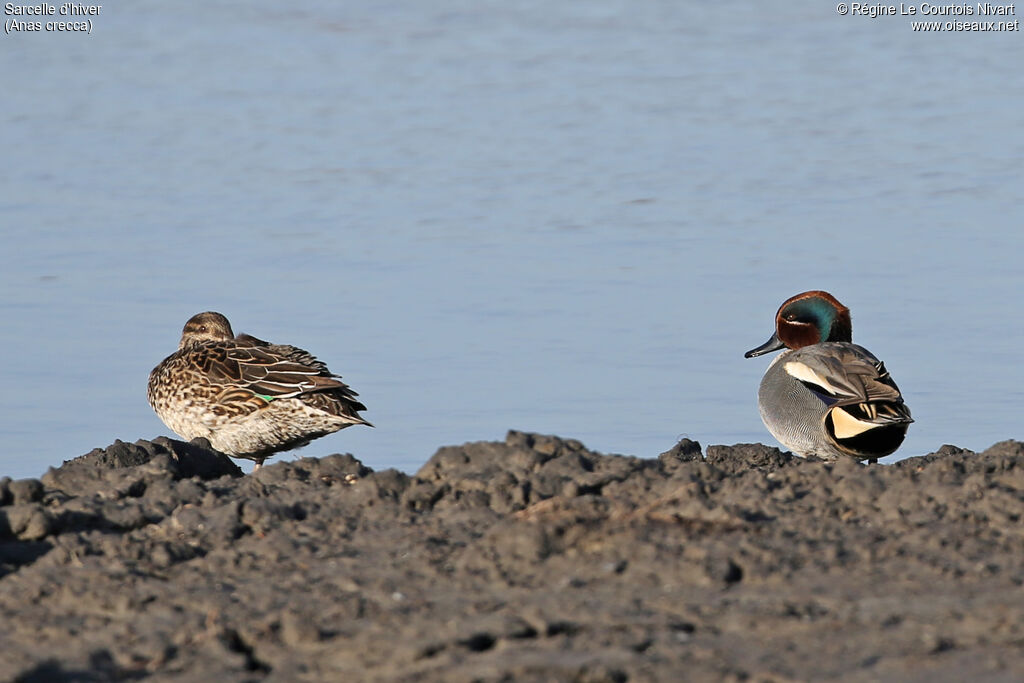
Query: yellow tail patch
point(847, 426)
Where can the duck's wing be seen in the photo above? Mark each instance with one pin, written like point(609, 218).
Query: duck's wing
point(274, 371)
point(248, 373)
point(287, 353)
point(843, 374)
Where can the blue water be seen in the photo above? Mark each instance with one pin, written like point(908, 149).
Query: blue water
point(488, 215)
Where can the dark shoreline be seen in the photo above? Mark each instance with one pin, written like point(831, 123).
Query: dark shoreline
point(528, 559)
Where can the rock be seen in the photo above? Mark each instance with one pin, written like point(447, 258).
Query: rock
point(684, 450)
point(529, 558)
point(743, 456)
point(160, 458)
point(25, 491)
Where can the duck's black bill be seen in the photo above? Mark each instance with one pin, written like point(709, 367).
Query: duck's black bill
point(773, 344)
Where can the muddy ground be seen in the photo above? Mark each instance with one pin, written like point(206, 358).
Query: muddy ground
point(531, 559)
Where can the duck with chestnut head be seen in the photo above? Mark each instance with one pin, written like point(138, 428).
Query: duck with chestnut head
point(825, 396)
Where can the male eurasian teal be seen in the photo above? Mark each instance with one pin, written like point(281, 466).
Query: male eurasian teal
point(249, 397)
point(826, 396)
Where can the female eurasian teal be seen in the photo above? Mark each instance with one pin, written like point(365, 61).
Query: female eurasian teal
point(250, 398)
point(826, 396)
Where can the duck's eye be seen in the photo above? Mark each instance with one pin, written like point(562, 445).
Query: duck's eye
point(202, 328)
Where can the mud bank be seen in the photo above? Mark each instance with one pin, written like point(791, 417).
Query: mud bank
point(532, 559)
